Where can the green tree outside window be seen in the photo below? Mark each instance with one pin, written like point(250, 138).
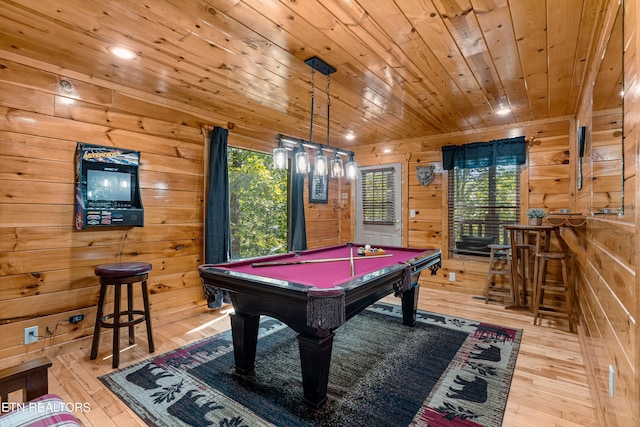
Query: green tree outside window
point(258, 204)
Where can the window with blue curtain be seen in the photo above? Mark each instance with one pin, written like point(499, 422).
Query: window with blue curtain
point(484, 192)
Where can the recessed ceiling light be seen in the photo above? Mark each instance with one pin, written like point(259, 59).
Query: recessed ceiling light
point(350, 136)
point(503, 106)
point(503, 110)
point(122, 52)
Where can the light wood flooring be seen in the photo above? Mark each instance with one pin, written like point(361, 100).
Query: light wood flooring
point(549, 386)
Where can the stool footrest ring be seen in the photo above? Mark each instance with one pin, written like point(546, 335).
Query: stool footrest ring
point(105, 324)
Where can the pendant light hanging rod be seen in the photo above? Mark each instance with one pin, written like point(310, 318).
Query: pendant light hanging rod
point(322, 67)
point(328, 107)
point(313, 102)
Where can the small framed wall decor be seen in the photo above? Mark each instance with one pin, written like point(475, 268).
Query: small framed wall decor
point(318, 188)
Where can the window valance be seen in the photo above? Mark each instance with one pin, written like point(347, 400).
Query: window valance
point(500, 152)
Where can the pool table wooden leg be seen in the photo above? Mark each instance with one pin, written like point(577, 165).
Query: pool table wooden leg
point(244, 329)
point(409, 305)
point(315, 360)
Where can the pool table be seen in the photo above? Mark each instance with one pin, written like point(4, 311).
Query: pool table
point(314, 292)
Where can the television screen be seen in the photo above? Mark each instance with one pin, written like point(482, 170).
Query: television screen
point(109, 186)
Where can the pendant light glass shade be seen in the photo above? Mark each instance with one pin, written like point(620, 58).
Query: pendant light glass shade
point(320, 164)
point(280, 157)
point(337, 169)
point(302, 161)
point(352, 168)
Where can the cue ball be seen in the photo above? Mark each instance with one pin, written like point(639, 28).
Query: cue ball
point(367, 247)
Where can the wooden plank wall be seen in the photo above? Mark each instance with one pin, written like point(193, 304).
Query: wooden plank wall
point(605, 157)
point(607, 273)
point(46, 266)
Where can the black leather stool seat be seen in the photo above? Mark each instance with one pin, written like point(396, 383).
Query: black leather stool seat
point(116, 275)
point(122, 269)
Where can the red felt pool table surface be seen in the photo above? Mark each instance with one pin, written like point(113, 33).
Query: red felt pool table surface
point(323, 275)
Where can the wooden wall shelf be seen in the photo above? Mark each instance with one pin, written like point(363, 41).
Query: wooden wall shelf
point(567, 219)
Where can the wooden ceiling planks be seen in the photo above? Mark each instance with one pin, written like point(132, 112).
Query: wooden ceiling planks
point(432, 75)
point(461, 21)
point(497, 29)
point(530, 23)
point(605, 95)
point(427, 21)
point(369, 107)
point(406, 68)
point(375, 99)
point(589, 25)
point(563, 30)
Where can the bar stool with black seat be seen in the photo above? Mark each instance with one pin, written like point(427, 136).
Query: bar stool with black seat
point(542, 284)
point(116, 275)
point(499, 265)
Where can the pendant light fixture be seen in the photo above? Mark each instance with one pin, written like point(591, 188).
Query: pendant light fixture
point(322, 167)
point(352, 168)
point(337, 168)
point(302, 160)
point(320, 163)
point(280, 157)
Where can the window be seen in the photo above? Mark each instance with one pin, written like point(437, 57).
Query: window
point(481, 202)
point(258, 204)
point(484, 192)
point(378, 196)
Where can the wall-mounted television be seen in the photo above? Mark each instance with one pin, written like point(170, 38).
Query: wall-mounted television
point(107, 187)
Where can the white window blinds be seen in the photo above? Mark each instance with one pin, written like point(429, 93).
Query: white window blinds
point(481, 201)
point(378, 196)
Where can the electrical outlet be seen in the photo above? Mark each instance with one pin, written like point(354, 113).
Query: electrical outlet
point(77, 318)
point(452, 277)
point(30, 335)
